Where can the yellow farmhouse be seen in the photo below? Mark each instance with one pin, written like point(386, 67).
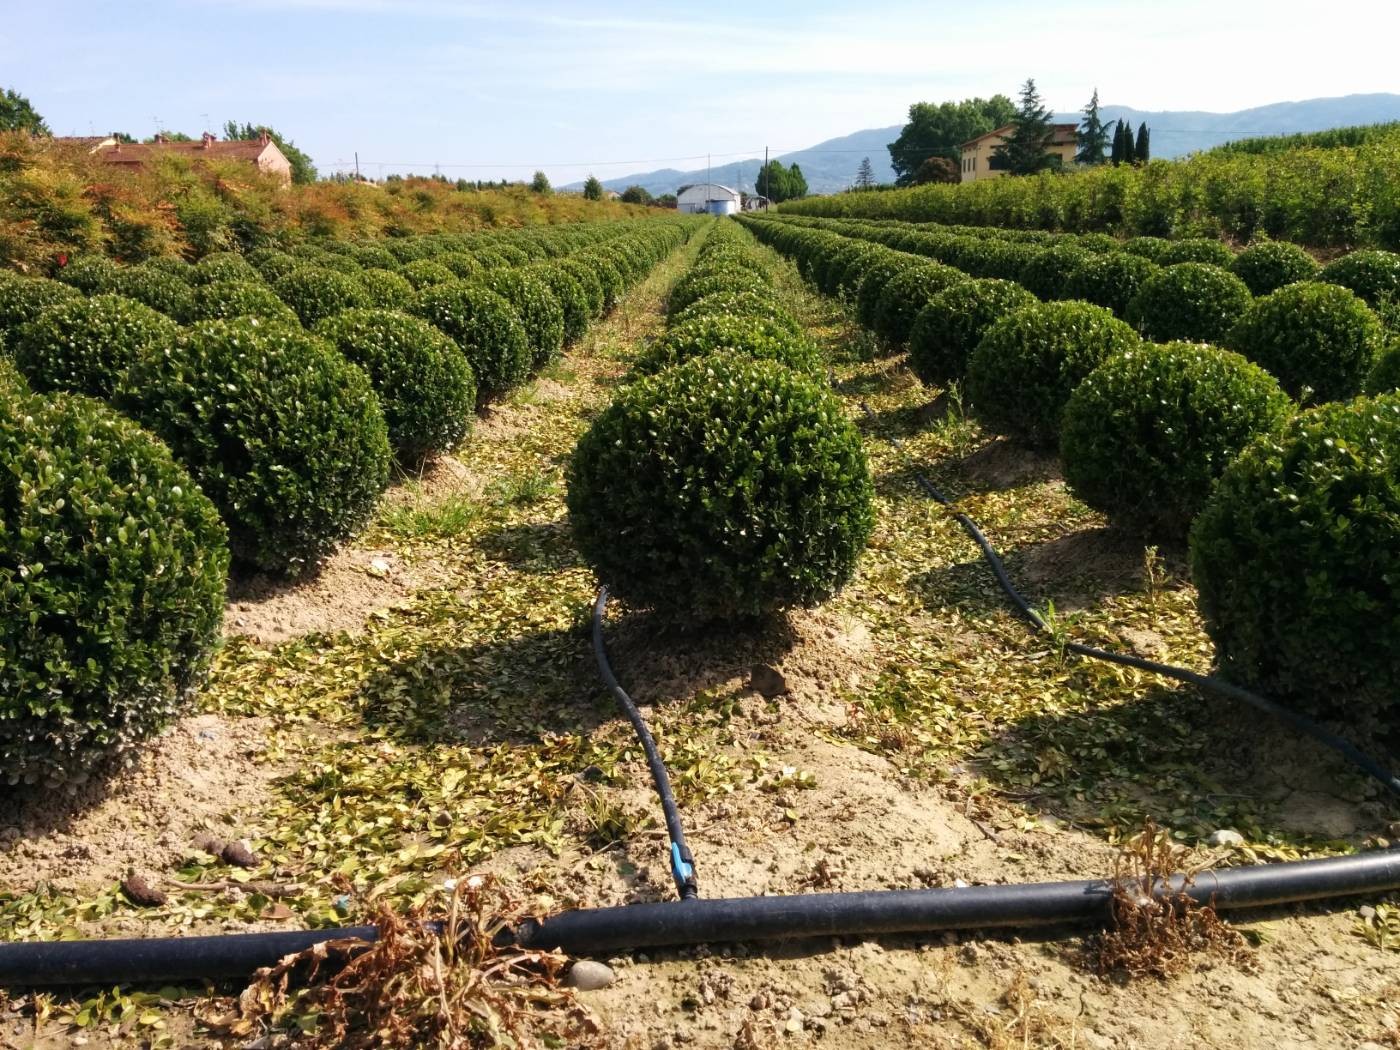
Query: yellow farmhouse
point(977, 153)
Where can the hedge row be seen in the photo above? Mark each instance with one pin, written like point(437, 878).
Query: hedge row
point(1293, 517)
point(725, 480)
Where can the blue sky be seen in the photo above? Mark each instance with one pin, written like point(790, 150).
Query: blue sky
point(491, 90)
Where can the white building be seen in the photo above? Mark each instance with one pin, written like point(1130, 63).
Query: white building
point(708, 197)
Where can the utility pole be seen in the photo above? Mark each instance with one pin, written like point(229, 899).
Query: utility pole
point(767, 179)
point(357, 165)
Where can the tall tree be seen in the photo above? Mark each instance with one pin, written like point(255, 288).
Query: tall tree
point(17, 113)
point(865, 175)
point(1092, 135)
point(1026, 150)
point(540, 184)
point(938, 169)
point(593, 189)
point(937, 130)
point(1116, 154)
point(303, 171)
point(1142, 151)
point(797, 182)
point(636, 195)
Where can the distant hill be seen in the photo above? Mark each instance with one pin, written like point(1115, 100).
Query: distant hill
point(830, 166)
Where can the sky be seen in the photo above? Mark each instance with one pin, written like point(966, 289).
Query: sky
point(496, 90)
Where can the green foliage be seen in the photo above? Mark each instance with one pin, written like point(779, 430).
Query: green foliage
point(737, 304)
point(272, 263)
point(385, 289)
point(1046, 274)
point(90, 274)
point(112, 572)
point(220, 300)
point(155, 287)
point(1296, 559)
point(1196, 249)
point(752, 337)
point(703, 281)
point(570, 294)
point(876, 277)
point(17, 113)
point(1091, 135)
point(424, 383)
point(948, 329)
point(540, 184)
point(289, 483)
point(722, 487)
point(83, 346)
point(1026, 150)
point(1385, 374)
point(422, 272)
point(589, 281)
point(223, 266)
point(938, 130)
point(781, 183)
point(1373, 275)
point(316, 293)
point(1319, 340)
point(535, 304)
point(459, 264)
point(607, 274)
point(592, 189)
point(486, 327)
point(1108, 279)
point(1268, 265)
point(1147, 434)
point(636, 195)
point(1025, 367)
point(23, 298)
point(1196, 302)
point(303, 171)
point(905, 294)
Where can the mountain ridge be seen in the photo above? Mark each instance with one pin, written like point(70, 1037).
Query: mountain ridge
point(830, 166)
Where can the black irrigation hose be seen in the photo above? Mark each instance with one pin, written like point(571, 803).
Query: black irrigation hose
point(682, 863)
point(1209, 683)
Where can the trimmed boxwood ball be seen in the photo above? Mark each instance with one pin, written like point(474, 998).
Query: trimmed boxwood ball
point(722, 487)
point(1147, 434)
point(385, 288)
point(373, 256)
point(272, 263)
point(569, 293)
point(424, 384)
point(1047, 273)
point(220, 300)
point(83, 346)
point(738, 304)
point(538, 309)
point(750, 336)
point(294, 462)
point(460, 263)
point(588, 281)
point(156, 288)
point(1109, 279)
point(10, 376)
point(1319, 339)
point(1028, 363)
point(609, 276)
point(90, 274)
point(949, 328)
point(1372, 274)
point(223, 266)
point(24, 298)
point(1269, 265)
point(112, 573)
point(1197, 249)
point(422, 272)
point(486, 327)
point(1385, 374)
point(1296, 558)
point(316, 293)
point(1190, 301)
point(906, 294)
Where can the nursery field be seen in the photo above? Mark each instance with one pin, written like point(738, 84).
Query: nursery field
point(411, 723)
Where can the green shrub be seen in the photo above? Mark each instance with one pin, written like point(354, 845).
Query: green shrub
point(1195, 302)
point(83, 346)
point(459, 263)
point(279, 430)
point(489, 259)
point(1296, 558)
point(1373, 275)
point(749, 336)
point(609, 276)
point(1153, 248)
point(1148, 433)
point(569, 293)
point(906, 294)
point(316, 293)
point(385, 288)
point(1385, 374)
point(1197, 250)
point(1046, 274)
point(223, 266)
point(1027, 364)
point(154, 287)
point(1319, 340)
point(699, 284)
point(1269, 265)
point(535, 304)
point(738, 304)
point(486, 327)
point(1110, 279)
point(177, 268)
point(722, 487)
point(422, 378)
point(373, 257)
point(875, 278)
point(10, 376)
point(948, 329)
point(847, 265)
point(272, 264)
point(112, 573)
point(424, 272)
point(90, 274)
point(24, 298)
point(220, 300)
point(588, 280)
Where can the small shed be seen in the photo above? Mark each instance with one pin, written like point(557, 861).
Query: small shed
point(707, 197)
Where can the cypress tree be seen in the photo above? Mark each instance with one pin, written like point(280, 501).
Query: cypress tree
point(1142, 152)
